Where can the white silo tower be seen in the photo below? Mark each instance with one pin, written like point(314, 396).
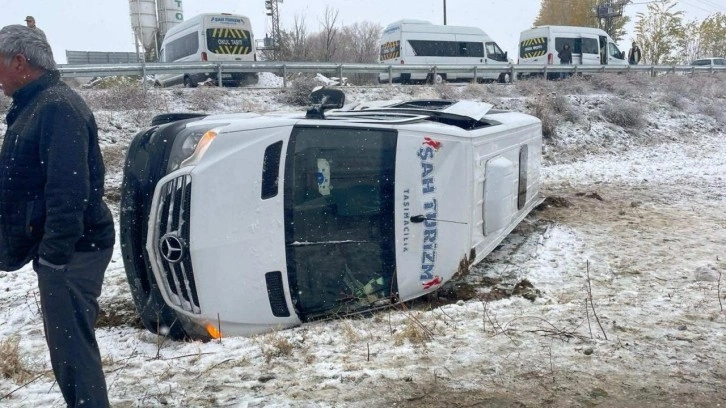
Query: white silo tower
point(145, 26)
point(170, 13)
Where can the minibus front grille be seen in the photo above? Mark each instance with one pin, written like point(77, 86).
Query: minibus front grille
point(172, 232)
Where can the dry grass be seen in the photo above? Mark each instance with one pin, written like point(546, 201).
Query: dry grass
point(413, 332)
point(12, 364)
point(276, 345)
point(625, 114)
point(124, 98)
point(350, 334)
point(562, 107)
point(715, 111)
point(114, 155)
point(203, 98)
point(298, 91)
point(542, 107)
point(445, 91)
point(119, 314)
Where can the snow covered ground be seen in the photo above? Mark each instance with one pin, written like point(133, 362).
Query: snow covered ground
point(609, 295)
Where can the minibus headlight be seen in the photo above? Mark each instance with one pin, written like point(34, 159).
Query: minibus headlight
point(190, 145)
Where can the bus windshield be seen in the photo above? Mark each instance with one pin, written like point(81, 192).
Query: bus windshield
point(339, 219)
point(229, 41)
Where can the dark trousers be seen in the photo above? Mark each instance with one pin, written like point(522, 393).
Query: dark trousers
point(69, 302)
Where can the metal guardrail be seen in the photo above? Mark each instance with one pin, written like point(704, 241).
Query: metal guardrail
point(102, 57)
point(285, 68)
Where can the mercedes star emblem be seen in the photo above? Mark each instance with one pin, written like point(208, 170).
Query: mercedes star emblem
point(171, 248)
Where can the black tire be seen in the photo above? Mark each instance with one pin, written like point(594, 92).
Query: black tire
point(189, 83)
point(436, 79)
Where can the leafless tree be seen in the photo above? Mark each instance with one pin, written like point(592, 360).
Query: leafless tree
point(360, 43)
point(294, 45)
point(329, 33)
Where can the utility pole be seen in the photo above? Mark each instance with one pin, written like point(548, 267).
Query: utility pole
point(609, 11)
point(444, 12)
point(272, 10)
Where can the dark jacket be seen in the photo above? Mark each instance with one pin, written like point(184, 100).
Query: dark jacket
point(565, 56)
point(634, 55)
point(51, 177)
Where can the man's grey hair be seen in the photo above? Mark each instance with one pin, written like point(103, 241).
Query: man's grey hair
point(31, 43)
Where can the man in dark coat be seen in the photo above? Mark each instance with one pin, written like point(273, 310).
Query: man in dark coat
point(30, 22)
point(52, 210)
point(634, 55)
point(565, 56)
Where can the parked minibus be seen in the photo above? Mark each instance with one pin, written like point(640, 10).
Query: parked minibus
point(421, 42)
point(590, 46)
point(219, 37)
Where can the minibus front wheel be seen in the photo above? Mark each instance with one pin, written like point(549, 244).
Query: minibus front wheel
point(189, 82)
point(436, 78)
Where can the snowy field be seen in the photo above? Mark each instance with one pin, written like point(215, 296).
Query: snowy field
point(610, 295)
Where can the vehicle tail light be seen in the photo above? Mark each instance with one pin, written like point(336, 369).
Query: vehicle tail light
point(204, 56)
point(403, 62)
point(550, 58)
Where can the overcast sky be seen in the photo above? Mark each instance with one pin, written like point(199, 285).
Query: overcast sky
point(105, 25)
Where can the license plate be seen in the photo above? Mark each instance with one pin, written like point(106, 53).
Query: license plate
point(226, 75)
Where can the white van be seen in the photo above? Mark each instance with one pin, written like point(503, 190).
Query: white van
point(240, 224)
point(590, 46)
point(209, 37)
point(420, 42)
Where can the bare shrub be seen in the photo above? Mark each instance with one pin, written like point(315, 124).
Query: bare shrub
point(542, 107)
point(712, 110)
point(123, 98)
point(624, 114)
point(622, 84)
point(562, 107)
point(675, 100)
point(276, 346)
point(114, 155)
point(298, 93)
point(12, 365)
point(414, 332)
point(714, 86)
point(349, 333)
point(445, 91)
point(575, 85)
point(534, 86)
point(111, 82)
point(476, 91)
point(203, 98)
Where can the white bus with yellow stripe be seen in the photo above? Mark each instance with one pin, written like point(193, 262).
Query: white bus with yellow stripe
point(421, 42)
point(590, 46)
point(209, 37)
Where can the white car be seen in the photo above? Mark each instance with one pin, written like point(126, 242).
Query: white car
point(709, 62)
point(239, 224)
